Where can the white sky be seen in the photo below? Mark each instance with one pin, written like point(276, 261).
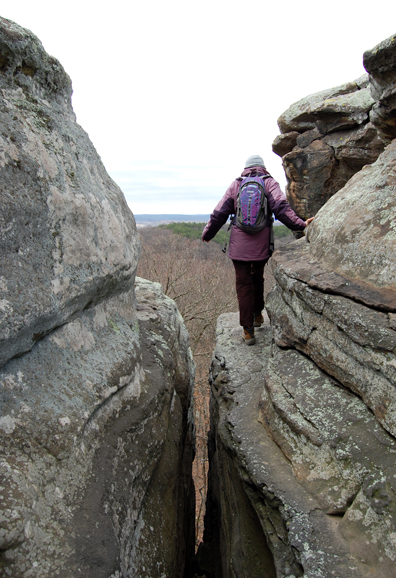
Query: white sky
point(175, 94)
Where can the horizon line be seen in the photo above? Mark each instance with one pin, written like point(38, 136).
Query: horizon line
point(160, 214)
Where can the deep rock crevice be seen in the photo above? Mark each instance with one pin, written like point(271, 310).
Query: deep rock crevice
point(96, 373)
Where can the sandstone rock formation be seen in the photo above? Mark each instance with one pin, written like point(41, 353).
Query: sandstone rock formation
point(380, 63)
point(334, 304)
point(97, 445)
point(329, 136)
point(303, 431)
point(95, 383)
point(68, 237)
point(302, 476)
point(326, 138)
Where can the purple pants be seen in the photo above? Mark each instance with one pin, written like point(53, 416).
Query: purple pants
point(249, 280)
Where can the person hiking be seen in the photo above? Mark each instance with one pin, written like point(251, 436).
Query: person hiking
point(250, 249)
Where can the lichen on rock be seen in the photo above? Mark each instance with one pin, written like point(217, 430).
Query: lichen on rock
point(303, 430)
point(96, 421)
point(68, 238)
point(329, 136)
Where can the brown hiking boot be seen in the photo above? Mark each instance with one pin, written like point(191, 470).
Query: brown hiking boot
point(258, 320)
point(248, 335)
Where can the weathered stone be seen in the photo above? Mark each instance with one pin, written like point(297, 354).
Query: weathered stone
point(96, 396)
point(350, 341)
point(96, 445)
point(357, 120)
point(262, 503)
point(318, 166)
point(355, 233)
point(295, 258)
point(67, 237)
point(284, 143)
point(380, 63)
point(308, 172)
point(336, 141)
point(338, 452)
point(317, 486)
point(333, 109)
point(306, 138)
point(355, 148)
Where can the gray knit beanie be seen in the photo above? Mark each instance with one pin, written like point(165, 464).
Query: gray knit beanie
point(254, 161)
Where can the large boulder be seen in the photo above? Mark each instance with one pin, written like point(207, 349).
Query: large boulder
point(355, 233)
point(335, 297)
point(326, 138)
point(329, 110)
point(96, 445)
point(329, 400)
point(96, 385)
point(67, 237)
point(339, 454)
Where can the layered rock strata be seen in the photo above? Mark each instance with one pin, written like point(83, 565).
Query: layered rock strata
point(301, 475)
point(334, 304)
point(329, 136)
point(326, 138)
point(95, 382)
point(312, 492)
point(303, 431)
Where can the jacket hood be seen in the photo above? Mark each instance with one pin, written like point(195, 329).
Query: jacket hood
point(254, 172)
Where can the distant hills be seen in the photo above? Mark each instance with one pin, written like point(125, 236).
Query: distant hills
point(154, 220)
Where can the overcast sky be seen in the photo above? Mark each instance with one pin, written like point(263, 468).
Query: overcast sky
point(175, 94)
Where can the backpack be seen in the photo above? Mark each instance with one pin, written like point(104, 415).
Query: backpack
point(251, 213)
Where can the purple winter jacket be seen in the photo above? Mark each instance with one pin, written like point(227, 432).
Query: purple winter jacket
point(245, 246)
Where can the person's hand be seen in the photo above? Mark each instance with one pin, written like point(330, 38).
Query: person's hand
point(309, 221)
point(204, 240)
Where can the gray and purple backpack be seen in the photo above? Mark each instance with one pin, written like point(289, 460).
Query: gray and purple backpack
point(251, 213)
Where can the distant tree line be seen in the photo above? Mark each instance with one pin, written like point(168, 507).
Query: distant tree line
point(193, 231)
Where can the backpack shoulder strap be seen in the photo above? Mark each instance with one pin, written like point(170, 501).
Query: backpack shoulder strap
point(264, 177)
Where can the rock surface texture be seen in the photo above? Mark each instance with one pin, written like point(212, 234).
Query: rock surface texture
point(302, 474)
point(68, 239)
point(96, 376)
point(329, 136)
point(303, 431)
point(380, 63)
